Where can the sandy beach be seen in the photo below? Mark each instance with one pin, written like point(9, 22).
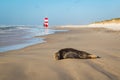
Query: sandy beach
point(37, 62)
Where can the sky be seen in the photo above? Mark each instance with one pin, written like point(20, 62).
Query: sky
point(59, 12)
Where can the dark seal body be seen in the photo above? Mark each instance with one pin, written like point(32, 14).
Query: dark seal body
point(73, 53)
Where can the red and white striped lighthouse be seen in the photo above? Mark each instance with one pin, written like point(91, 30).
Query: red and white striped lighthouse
point(45, 22)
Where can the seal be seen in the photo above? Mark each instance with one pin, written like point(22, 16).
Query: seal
point(73, 54)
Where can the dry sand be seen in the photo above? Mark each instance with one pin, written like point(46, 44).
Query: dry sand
point(37, 63)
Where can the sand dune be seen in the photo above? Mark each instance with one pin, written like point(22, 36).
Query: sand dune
point(37, 62)
point(110, 26)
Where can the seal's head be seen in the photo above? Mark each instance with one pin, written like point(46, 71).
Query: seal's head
point(57, 56)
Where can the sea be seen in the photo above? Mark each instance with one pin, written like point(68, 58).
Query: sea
point(13, 37)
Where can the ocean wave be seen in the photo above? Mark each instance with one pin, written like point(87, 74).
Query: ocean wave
point(13, 27)
point(6, 29)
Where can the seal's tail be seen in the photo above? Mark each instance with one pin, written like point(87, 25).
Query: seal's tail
point(93, 56)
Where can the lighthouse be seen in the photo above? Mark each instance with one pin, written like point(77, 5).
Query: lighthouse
point(45, 24)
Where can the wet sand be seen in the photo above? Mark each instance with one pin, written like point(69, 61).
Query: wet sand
point(37, 62)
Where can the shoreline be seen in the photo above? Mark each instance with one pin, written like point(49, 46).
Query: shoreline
point(36, 62)
point(18, 41)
